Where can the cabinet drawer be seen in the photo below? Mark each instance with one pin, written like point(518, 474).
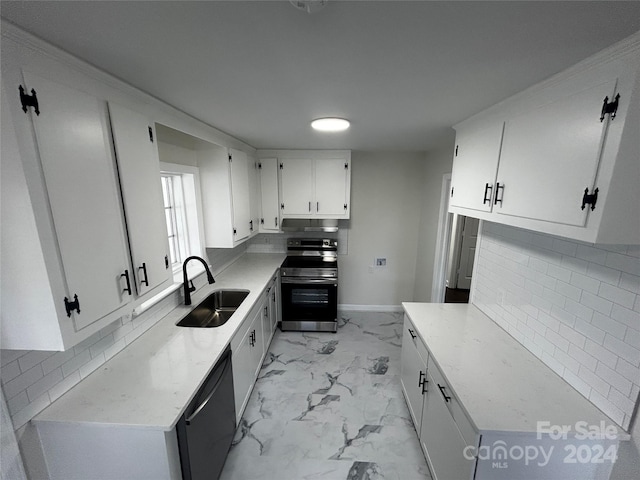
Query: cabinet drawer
point(442, 387)
point(417, 341)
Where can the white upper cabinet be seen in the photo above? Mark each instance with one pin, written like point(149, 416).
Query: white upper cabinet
point(254, 196)
point(67, 162)
point(226, 198)
point(561, 157)
point(139, 170)
point(270, 206)
point(315, 185)
point(475, 165)
point(550, 155)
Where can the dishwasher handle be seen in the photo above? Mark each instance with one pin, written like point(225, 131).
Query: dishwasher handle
point(223, 369)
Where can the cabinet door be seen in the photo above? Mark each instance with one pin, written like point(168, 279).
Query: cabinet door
point(475, 164)
point(243, 372)
point(296, 179)
point(254, 196)
point(413, 374)
point(270, 218)
point(75, 151)
point(240, 194)
point(331, 179)
point(441, 439)
point(139, 169)
point(550, 155)
point(258, 341)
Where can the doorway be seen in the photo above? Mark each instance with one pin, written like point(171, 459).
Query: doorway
point(462, 249)
point(455, 252)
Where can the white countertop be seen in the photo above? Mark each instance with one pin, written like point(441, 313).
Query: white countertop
point(501, 385)
point(151, 382)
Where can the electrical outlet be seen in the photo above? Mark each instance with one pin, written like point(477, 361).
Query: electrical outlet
point(381, 262)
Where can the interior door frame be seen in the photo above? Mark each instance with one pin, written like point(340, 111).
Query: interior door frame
point(443, 241)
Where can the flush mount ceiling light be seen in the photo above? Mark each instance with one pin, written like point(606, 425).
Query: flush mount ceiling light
point(330, 124)
point(309, 6)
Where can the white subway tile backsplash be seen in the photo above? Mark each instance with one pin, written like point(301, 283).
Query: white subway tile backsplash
point(584, 282)
point(589, 331)
point(88, 368)
point(22, 381)
point(601, 354)
point(30, 411)
point(582, 309)
point(596, 303)
point(630, 282)
point(44, 384)
point(9, 371)
point(8, 356)
point(76, 362)
point(64, 386)
point(624, 263)
point(56, 360)
point(583, 357)
point(32, 359)
point(609, 325)
point(614, 379)
point(591, 254)
point(18, 402)
point(617, 295)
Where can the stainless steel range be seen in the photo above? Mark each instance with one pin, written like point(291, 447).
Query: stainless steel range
point(309, 277)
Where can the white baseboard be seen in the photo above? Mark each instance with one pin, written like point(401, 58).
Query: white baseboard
point(346, 307)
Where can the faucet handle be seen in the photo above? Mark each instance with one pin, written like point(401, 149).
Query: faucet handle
point(192, 287)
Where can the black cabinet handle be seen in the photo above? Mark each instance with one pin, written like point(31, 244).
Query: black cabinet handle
point(496, 199)
point(422, 382)
point(447, 398)
point(317, 206)
point(275, 221)
point(487, 188)
point(412, 333)
point(309, 206)
point(144, 271)
point(251, 225)
point(128, 287)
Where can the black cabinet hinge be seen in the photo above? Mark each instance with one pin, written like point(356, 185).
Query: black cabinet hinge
point(230, 158)
point(235, 232)
point(29, 100)
point(71, 306)
point(262, 221)
point(281, 166)
point(346, 165)
point(259, 166)
point(609, 107)
point(150, 134)
point(589, 199)
point(345, 206)
point(282, 206)
point(166, 261)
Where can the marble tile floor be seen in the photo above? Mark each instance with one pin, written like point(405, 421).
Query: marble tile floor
point(330, 406)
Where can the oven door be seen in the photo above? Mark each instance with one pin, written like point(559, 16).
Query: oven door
point(309, 303)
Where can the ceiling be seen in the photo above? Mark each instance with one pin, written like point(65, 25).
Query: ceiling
point(403, 72)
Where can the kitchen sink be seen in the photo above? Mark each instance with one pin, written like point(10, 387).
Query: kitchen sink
point(214, 310)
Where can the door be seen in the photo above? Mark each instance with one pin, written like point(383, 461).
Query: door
point(77, 160)
point(467, 253)
point(240, 194)
point(268, 172)
point(550, 155)
point(139, 169)
point(296, 180)
point(331, 186)
point(476, 156)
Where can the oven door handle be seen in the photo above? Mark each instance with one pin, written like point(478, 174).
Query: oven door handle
point(309, 281)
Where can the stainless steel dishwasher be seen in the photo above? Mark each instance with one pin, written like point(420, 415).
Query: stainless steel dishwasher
point(206, 429)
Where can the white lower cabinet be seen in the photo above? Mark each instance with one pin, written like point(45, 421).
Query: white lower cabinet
point(249, 346)
point(486, 437)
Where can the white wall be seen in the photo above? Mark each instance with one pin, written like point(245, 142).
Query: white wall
point(386, 202)
point(574, 305)
point(438, 163)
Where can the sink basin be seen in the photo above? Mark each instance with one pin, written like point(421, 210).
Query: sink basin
point(214, 310)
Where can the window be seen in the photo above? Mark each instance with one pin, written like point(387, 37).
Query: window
point(181, 206)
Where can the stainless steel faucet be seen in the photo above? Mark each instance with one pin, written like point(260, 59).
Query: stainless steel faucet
point(188, 289)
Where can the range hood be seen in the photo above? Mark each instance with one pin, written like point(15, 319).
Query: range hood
point(312, 225)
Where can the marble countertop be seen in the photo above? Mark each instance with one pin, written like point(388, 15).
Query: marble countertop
point(500, 384)
point(151, 382)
